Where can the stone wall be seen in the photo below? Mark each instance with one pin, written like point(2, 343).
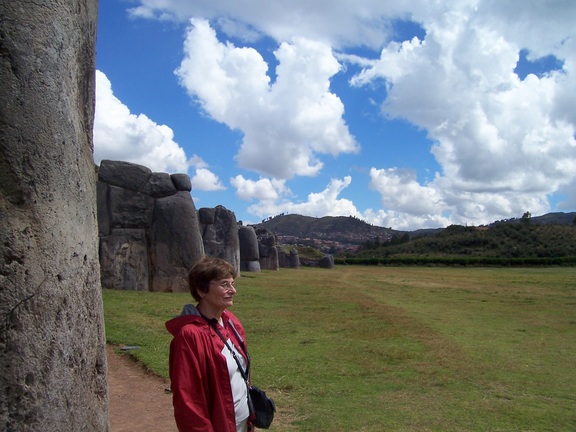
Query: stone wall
point(151, 234)
point(219, 231)
point(52, 346)
point(148, 226)
point(267, 250)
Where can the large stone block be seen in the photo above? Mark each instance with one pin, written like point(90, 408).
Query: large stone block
point(131, 197)
point(52, 346)
point(248, 244)
point(289, 259)
point(129, 209)
point(181, 182)
point(250, 266)
point(220, 234)
point(125, 175)
point(124, 260)
point(175, 242)
point(327, 262)
point(269, 257)
point(160, 185)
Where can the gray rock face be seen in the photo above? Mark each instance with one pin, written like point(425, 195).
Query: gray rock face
point(268, 253)
point(175, 242)
point(220, 234)
point(327, 262)
point(271, 255)
point(289, 259)
point(249, 251)
point(52, 347)
point(148, 226)
point(124, 259)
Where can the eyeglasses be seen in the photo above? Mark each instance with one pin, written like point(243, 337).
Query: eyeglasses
point(225, 285)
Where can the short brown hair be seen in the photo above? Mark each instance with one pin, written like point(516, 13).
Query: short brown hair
point(205, 271)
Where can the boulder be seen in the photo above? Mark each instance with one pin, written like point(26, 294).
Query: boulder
point(160, 185)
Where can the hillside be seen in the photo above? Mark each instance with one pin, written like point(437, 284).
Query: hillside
point(557, 218)
point(550, 235)
point(331, 234)
point(499, 241)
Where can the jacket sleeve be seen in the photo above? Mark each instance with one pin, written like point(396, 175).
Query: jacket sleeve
point(189, 392)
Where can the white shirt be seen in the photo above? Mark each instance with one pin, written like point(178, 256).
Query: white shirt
point(239, 389)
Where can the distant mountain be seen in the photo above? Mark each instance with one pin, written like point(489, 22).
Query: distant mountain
point(334, 234)
point(330, 234)
point(557, 218)
point(526, 239)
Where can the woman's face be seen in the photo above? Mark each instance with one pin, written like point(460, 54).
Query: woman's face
point(220, 294)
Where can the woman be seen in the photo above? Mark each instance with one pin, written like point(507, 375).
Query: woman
point(208, 390)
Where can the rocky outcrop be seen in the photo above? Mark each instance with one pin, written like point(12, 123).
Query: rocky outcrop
point(52, 346)
point(148, 226)
point(220, 234)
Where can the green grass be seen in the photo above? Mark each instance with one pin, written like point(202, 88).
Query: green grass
point(393, 349)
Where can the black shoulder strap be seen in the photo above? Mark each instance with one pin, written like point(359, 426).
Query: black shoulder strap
point(245, 373)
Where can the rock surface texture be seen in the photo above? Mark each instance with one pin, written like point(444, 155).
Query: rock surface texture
point(268, 253)
point(220, 234)
point(52, 347)
point(249, 250)
point(148, 226)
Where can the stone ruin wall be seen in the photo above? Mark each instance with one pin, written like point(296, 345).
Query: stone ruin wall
point(219, 231)
point(151, 234)
point(148, 228)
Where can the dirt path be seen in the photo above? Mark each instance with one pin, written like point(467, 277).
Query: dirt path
point(138, 401)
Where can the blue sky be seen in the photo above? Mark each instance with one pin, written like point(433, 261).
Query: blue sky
point(408, 115)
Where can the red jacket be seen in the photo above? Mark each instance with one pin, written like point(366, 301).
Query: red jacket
point(199, 380)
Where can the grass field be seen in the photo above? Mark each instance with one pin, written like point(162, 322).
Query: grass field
point(393, 349)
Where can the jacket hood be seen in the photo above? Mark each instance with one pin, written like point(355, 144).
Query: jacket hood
point(189, 315)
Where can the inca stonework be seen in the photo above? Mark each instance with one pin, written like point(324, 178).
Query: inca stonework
point(219, 230)
point(52, 346)
point(151, 234)
point(148, 226)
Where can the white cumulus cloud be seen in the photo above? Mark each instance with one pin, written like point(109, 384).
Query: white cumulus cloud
point(263, 189)
point(504, 143)
point(121, 135)
point(286, 124)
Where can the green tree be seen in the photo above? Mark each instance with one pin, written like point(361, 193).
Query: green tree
point(526, 217)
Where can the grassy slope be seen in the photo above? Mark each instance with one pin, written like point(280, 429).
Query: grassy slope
point(506, 240)
point(406, 349)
